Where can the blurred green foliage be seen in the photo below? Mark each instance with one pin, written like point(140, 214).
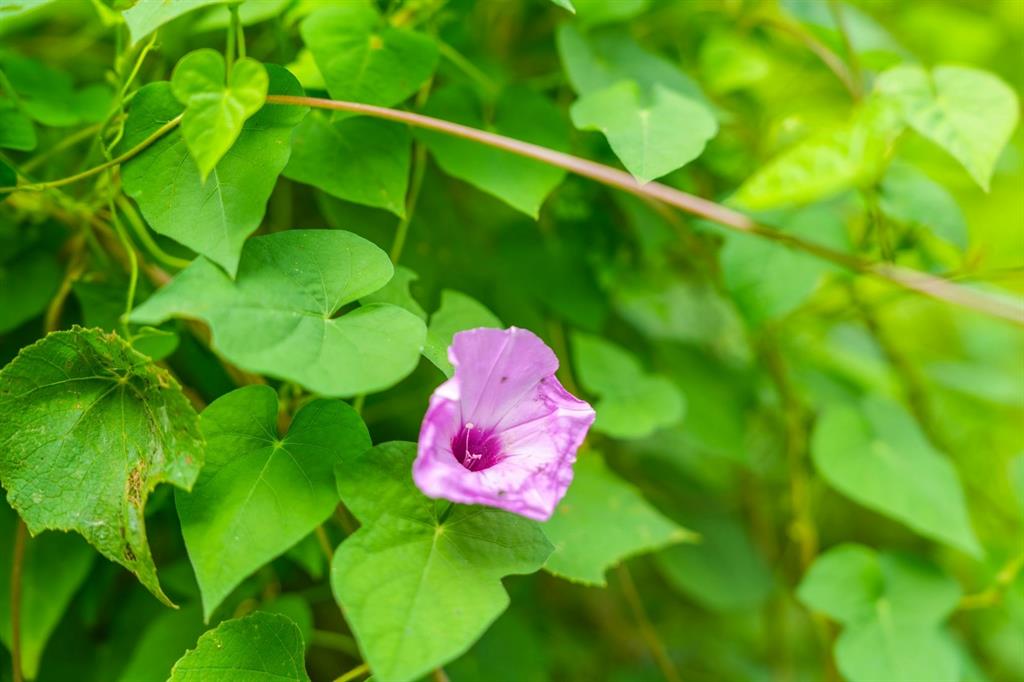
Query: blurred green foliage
point(848, 454)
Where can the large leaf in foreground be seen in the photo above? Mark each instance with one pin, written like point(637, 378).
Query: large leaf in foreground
point(53, 568)
point(969, 113)
point(442, 579)
point(892, 608)
point(88, 428)
point(875, 454)
point(602, 521)
point(278, 317)
point(213, 217)
point(260, 493)
point(260, 646)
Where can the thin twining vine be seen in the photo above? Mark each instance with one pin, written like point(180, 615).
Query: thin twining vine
point(906, 278)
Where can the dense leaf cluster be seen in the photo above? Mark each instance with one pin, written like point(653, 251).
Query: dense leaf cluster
point(238, 237)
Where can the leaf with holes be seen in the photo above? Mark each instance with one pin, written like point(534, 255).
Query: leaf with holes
point(90, 427)
point(260, 492)
point(279, 316)
point(435, 571)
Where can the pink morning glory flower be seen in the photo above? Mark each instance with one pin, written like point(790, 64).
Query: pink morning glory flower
point(502, 432)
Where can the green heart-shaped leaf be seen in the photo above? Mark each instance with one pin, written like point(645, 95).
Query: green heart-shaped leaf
point(213, 217)
point(405, 571)
point(260, 646)
point(215, 112)
point(968, 112)
point(278, 317)
point(232, 520)
point(651, 135)
point(892, 608)
point(363, 58)
point(874, 453)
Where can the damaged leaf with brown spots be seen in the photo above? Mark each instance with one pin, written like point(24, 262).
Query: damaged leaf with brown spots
point(89, 428)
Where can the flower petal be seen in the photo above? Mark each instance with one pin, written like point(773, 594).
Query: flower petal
point(496, 368)
point(540, 434)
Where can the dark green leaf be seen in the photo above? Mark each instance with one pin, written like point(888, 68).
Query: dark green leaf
point(53, 568)
point(259, 492)
point(90, 428)
point(16, 130)
point(27, 283)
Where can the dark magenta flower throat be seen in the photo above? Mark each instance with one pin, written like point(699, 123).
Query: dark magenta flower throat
point(476, 448)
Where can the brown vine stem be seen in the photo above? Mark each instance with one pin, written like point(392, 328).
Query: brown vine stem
point(17, 561)
point(906, 278)
point(911, 280)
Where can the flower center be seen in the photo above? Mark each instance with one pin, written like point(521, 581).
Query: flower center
point(475, 448)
